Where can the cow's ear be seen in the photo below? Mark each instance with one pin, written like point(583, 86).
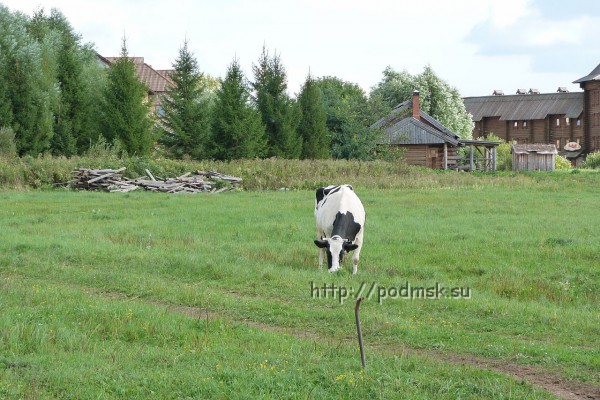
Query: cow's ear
point(321, 243)
point(350, 246)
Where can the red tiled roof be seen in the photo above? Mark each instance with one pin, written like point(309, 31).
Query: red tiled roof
point(157, 81)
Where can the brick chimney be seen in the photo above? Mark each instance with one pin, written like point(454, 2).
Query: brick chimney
point(416, 110)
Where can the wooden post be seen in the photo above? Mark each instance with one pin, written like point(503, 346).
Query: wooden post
point(358, 331)
point(471, 157)
point(445, 155)
point(494, 166)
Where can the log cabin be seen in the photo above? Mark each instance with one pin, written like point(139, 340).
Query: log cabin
point(558, 118)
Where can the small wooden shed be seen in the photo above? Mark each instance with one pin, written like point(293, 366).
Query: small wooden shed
point(533, 157)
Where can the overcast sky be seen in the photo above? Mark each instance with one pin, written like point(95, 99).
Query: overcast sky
point(474, 45)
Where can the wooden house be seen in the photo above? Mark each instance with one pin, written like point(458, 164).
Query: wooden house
point(533, 157)
point(426, 141)
point(560, 118)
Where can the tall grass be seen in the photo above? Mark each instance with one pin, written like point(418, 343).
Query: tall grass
point(261, 174)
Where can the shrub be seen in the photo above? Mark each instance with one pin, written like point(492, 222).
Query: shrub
point(562, 163)
point(8, 147)
point(592, 161)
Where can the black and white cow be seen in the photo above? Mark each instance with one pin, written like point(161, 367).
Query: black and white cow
point(340, 225)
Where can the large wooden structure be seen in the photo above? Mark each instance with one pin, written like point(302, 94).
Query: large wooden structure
point(552, 118)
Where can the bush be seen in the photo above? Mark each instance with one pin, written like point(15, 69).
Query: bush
point(8, 147)
point(592, 161)
point(562, 163)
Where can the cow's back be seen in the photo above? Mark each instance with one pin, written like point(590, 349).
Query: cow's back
point(337, 199)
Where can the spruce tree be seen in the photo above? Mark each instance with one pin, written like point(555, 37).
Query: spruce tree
point(126, 111)
point(185, 118)
point(313, 122)
point(276, 108)
point(238, 131)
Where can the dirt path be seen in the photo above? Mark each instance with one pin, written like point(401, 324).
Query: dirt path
point(548, 381)
point(551, 382)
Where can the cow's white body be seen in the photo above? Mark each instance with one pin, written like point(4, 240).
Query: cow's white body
point(340, 219)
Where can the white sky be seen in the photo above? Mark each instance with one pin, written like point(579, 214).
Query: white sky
point(474, 45)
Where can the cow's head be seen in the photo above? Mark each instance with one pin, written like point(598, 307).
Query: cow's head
point(337, 248)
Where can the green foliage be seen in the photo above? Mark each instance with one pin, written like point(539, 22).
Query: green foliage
point(313, 122)
point(8, 147)
point(276, 108)
point(29, 88)
point(349, 115)
point(592, 161)
point(237, 127)
point(437, 98)
point(185, 120)
point(562, 163)
point(51, 98)
point(126, 114)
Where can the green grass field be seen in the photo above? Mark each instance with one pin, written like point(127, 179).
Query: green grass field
point(145, 295)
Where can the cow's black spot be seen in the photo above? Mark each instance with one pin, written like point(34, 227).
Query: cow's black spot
point(323, 193)
point(345, 226)
point(329, 258)
point(320, 194)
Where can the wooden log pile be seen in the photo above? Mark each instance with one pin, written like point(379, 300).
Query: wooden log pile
point(112, 180)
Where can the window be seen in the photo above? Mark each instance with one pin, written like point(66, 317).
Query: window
point(557, 121)
point(558, 143)
point(567, 121)
point(516, 124)
point(524, 124)
point(578, 122)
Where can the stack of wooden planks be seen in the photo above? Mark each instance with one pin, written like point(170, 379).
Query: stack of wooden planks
point(112, 180)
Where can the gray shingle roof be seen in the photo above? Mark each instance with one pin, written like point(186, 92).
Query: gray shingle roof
point(525, 107)
point(534, 148)
point(592, 76)
point(402, 128)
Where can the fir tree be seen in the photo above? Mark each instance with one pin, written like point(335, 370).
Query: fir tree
point(185, 118)
point(238, 131)
point(126, 112)
point(276, 107)
point(313, 123)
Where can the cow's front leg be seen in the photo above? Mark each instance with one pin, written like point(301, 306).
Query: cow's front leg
point(321, 252)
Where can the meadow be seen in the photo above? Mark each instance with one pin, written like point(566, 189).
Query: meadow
point(144, 295)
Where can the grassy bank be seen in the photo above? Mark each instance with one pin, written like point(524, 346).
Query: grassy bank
point(273, 174)
point(140, 295)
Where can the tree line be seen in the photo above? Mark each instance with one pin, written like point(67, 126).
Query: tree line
point(56, 97)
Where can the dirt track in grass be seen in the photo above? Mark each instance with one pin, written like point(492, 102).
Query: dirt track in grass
point(551, 382)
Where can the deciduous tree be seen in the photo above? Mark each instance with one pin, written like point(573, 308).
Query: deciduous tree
point(437, 98)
